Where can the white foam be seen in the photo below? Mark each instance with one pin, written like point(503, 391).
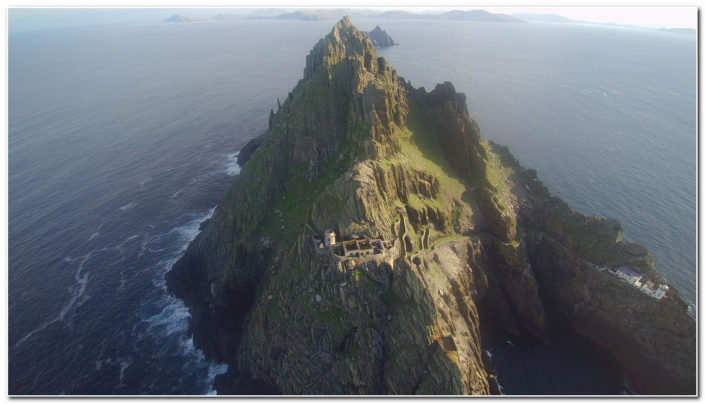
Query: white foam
point(123, 365)
point(128, 206)
point(186, 234)
point(132, 237)
point(78, 289)
point(231, 167)
point(628, 387)
point(215, 369)
point(97, 232)
point(123, 282)
point(173, 317)
point(145, 247)
point(76, 300)
point(100, 362)
point(175, 194)
point(190, 230)
point(188, 348)
point(78, 296)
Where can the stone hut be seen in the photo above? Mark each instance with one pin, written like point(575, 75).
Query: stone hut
point(329, 237)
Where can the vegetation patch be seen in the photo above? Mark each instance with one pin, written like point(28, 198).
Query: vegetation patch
point(499, 168)
point(332, 315)
point(390, 298)
point(447, 238)
point(421, 151)
point(273, 311)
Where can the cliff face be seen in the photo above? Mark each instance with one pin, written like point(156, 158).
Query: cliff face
point(355, 148)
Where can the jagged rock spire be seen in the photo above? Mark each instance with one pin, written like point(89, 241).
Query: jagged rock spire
point(344, 22)
point(344, 41)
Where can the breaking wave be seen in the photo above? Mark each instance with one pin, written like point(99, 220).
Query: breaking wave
point(173, 319)
point(232, 168)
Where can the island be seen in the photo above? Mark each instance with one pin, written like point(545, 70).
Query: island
point(372, 224)
point(380, 38)
point(182, 18)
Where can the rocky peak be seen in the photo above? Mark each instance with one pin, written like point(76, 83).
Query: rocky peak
point(344, 23)
point(343, 42)
point(380, 38)
point(348, 96)
point(356, 148)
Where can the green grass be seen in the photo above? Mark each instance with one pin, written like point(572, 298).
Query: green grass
point(296, 203)
point(358, 274)
point(447, 238)
point(498, 170)
point(352, 350)
point(596, 250)
point(296, 267)
point(426, 236)
point(390, 298)
point(273, 311)
point(333, 315)
point(421, 150)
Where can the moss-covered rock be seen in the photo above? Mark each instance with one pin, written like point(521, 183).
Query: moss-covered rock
point(355, 148)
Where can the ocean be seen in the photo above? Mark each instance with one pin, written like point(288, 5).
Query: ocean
point(123, 137)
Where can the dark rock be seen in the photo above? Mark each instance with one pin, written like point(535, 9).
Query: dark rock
point(247, 151)
point(334, 156)
point(380, 38)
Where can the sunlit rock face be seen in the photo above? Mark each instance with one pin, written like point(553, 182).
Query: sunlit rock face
point(356, 149)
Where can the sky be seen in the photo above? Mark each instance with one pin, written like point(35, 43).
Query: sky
point(37, 18)
point(653, 17)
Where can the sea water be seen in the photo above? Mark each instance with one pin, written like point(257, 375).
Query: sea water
point(123, 138)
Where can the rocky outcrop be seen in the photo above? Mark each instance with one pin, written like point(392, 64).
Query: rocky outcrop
point(355, 148)
point(380, 38)
point(653, 340)
point(246, 152)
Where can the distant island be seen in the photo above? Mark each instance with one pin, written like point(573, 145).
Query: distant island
point(687, 31)
point(183, 18)
point(554, 18)
point(330, 14)
point(559, 19)
point(452, 15)
point(373, 233)
point(380, 38)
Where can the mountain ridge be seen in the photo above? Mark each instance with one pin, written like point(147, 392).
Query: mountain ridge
point(330, 14)
point(355, 148)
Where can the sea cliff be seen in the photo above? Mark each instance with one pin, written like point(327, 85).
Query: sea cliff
point(355, 148)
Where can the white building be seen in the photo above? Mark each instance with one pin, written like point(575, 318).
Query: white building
point(627, 274)
point(329, 237)
point(657, 293)
point(633, 278)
